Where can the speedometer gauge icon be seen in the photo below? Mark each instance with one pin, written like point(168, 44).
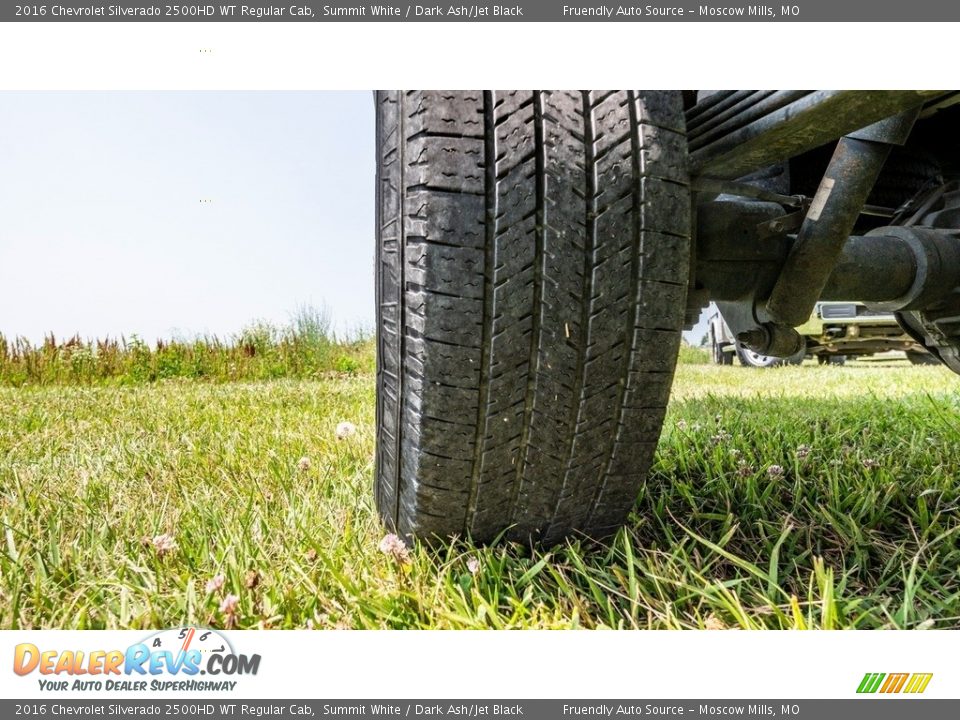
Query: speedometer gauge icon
point(182, 639)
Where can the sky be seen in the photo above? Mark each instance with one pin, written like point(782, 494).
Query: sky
point(181, 214)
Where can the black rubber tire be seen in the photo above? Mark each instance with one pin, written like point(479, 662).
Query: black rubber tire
point(797, 358)
point(717, 354)
point(533, 250)
point(831, 359)
point(723, 358)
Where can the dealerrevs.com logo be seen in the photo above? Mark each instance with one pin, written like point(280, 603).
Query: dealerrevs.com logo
point(168, 660)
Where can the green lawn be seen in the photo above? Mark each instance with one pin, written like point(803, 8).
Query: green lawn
point(785, 498)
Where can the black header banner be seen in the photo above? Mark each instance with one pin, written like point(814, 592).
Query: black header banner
point(523, 11)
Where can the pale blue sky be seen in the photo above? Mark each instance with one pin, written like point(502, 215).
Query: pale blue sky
point(103, 232)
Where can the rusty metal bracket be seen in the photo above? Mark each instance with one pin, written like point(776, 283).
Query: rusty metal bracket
point(856, 163)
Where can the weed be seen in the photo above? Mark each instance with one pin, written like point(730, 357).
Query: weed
point(247, 505)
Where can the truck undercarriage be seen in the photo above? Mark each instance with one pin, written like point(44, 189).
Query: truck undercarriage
point(539, 253)
point(767, 249)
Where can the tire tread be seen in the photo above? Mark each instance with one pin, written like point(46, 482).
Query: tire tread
point(532, 258)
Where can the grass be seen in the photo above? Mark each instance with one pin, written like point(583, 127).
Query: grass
point(303, 348)
point(690, 355)
point(788, 498)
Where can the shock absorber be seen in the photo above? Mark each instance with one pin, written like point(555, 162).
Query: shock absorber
point(846, 184)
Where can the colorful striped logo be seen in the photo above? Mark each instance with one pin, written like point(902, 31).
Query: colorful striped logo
point(894, 683)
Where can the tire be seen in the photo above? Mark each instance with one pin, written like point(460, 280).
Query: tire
point(831, 359)
point(797, 358)
point(720, 357)
point(717, 354)
point(532, 259)
point(749, 358)
point(922, 358)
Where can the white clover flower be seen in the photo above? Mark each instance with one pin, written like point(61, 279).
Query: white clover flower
point(345, 430)
point(721, 437)
point(392, 545)
point(303, 464)
point(775, 471)
point(215, 583)
point(229, 605)
point(163, 544)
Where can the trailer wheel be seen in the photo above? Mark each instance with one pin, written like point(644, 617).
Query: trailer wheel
point(532, 260)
